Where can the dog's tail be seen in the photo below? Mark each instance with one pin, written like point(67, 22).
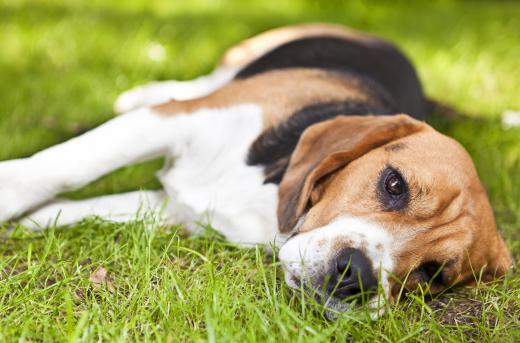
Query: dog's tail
point(509, 118)
point(444, 110)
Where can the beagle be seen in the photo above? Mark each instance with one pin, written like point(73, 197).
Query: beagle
point(309, 136)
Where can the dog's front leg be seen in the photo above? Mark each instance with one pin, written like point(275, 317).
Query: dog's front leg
point(114, 207)
point(130, 138)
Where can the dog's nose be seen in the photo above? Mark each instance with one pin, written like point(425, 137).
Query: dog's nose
point(353, 274)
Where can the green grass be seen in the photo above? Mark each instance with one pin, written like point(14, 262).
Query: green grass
point(62, 63)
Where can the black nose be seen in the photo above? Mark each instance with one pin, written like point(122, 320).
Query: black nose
point(353, 274)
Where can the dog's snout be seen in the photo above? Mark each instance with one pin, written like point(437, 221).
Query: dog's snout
point(352, 274)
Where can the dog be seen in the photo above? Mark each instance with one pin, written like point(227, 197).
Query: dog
point(311, 137)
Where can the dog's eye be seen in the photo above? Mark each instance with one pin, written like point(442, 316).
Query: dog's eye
point(392, 190)
point(394, 184)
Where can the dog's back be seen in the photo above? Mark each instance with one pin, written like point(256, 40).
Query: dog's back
point(374, 61)
point(335, 48)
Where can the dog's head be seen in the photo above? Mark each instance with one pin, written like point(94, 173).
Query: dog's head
point(385, 201)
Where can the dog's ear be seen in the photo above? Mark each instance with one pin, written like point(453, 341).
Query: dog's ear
point(327, 146)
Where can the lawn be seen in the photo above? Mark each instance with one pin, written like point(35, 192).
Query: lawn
point(62, 63)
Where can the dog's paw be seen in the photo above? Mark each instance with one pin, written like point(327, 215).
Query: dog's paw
point(147, 95)
point(128, 101)
point(20, 188)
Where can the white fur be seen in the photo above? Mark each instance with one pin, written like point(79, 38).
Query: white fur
point(159, 92)
point(308, 255)
point(208, 183)
point(130, 138)
point(211, 182)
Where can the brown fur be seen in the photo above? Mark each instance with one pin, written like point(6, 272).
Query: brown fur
point(300, 87)
point(335, 169)
point(328, 146)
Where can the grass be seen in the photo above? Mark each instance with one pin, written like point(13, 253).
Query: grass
point(62, 63)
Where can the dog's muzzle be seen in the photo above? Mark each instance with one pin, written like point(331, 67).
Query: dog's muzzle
point(341, 263)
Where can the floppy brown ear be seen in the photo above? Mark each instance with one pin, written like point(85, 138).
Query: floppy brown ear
point(327, 146)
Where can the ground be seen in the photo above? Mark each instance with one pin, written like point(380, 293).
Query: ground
point(62, 63)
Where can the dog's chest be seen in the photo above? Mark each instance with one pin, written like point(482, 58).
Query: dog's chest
point(209, 181)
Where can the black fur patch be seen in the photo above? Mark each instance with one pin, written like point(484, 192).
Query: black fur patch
point(377, 60)
point(274, 147)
